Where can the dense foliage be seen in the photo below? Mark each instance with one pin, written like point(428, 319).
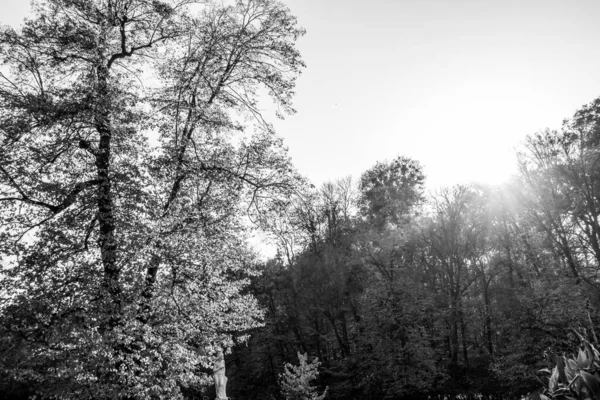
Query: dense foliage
point(131, 159)
point(402, 294)
point(134, 162)
point(574, 377)
point(296, 380)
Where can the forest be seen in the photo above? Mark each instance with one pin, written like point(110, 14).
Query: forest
point(135, 164)
point(467, 290)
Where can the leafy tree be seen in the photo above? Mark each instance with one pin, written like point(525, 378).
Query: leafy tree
point(462, 295)
point(456, 237)
point(395, 356)
point(561, 186)
point(296, 380)
point(389, 190)
point(127, 172)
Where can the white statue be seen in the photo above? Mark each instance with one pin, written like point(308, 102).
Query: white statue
point(219, 376)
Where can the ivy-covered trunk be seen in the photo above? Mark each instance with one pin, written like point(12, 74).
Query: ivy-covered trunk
point(106, 218)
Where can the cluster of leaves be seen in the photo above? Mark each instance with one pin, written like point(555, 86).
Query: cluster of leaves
point(296, 380)
point(576, 377)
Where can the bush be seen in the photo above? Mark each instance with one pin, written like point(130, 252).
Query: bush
point(576, 377)
point(295, 381)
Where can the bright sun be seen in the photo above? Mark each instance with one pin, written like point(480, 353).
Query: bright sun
point(483, 122)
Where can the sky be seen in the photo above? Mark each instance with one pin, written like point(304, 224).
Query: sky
point(454, 84)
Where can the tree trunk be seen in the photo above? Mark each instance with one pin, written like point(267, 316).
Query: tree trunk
point(106, 221)
point(337, 335)
point(318, 338)
point(345, 337)
point(463, 333)
point(488, 317)
point(454, 336)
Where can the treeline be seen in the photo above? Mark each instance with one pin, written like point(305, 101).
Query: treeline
point(402, 294)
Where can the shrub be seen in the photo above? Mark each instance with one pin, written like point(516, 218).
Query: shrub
point(576, 377)
point(295, 381)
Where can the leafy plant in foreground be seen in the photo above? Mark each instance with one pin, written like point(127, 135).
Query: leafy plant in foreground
point(576, 377)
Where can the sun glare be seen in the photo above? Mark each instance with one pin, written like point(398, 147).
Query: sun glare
point(483, 121)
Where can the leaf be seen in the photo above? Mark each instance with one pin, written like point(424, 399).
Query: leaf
point(589, 352)
point(535, 396)
point(572, 364)
point(582, 360)
point(591, 382)
point(560, 365)
point(553, 380)
point(570, 369)
point(577, 384)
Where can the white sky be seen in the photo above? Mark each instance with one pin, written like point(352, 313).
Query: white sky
point(455, 84)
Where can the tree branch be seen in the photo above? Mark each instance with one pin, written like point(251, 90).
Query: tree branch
point(128, 53)
point(55, 209)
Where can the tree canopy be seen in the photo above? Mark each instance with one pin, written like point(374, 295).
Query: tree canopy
point(132, 156)
point(135, 162)
point(471, 290)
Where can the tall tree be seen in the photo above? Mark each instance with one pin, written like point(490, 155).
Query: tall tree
point(390, 190)
point(127, 172)
point(559, 170)
point(456, 238)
